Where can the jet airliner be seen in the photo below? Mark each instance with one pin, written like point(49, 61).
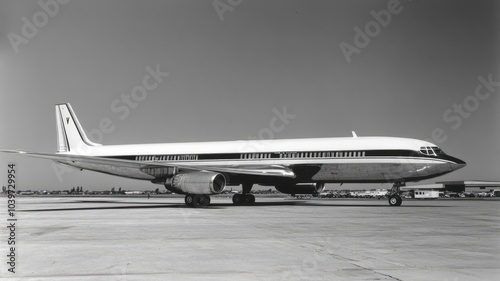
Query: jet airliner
point(292, 166)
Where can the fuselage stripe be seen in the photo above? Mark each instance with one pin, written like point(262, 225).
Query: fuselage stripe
point(302, 155)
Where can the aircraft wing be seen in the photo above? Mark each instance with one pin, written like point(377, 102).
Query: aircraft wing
point(256, 170)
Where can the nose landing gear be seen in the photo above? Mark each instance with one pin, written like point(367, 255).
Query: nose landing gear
point(394, 196)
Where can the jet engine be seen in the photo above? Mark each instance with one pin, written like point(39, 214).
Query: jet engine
point(196, 183)
point(301, 188)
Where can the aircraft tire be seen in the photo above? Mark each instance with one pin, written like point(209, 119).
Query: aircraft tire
point(207, 200)
point(395, 200)
point(200, 200)
point(189, 200)
point(238, 199)
point(249, 199)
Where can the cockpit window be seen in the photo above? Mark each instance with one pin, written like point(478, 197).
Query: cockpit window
point(433, 151)
point(437, 150)
point(427, 150)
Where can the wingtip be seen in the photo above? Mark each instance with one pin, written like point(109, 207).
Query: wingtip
point(13, 151)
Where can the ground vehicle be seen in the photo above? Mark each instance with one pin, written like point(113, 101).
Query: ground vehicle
point(426, 194)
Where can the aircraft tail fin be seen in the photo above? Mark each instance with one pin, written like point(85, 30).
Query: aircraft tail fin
point(70, 135)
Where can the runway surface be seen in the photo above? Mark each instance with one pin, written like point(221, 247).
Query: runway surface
point(126, 238)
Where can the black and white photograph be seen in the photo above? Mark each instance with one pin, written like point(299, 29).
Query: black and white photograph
point(250, 140)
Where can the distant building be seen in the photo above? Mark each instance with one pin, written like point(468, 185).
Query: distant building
point(133, 192)
point(460, 186)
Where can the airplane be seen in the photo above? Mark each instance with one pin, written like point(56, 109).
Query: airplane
point(292, 166)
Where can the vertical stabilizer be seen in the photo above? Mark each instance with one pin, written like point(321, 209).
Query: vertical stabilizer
point(70, 135)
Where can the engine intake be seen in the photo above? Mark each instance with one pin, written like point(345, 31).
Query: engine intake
point(301, 188)
point(196, 183)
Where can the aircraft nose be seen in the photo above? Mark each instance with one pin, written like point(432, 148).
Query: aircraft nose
point(458, 164)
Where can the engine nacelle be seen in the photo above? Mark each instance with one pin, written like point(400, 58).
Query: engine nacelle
point(301, 188)
point(196, 183)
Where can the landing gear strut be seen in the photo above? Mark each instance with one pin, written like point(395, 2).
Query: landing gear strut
point(245, 198)
point(197, 200)
point(394, 195)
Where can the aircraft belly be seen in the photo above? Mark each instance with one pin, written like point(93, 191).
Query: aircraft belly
point(347, 172)
point(378, 171)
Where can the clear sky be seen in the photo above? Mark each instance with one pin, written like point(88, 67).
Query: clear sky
point(231, 63)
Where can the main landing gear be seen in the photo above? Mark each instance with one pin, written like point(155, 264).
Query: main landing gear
point(197, 200)
point(245, 198)
point(394, 195)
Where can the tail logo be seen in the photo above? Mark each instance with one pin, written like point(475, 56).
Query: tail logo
point(70, 136)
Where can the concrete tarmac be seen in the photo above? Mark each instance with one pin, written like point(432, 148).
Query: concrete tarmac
point(127, 238)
